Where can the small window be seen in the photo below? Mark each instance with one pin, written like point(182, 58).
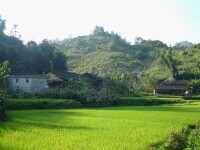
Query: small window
point(17, 80)
point(27, 80)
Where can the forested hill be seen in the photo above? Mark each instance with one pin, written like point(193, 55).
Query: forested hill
point(29, 58)
point(103, 51)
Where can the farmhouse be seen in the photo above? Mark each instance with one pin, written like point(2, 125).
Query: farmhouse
point(172, 87)
point(60, 79)
point(29, 82)
point(92, 79)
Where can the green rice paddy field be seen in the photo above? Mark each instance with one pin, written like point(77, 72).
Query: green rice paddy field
point(133, 127)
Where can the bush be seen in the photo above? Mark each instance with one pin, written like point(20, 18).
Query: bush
point(145, 101)
point(177, 140)
point(13, 104)
point(4, 70)
point(61, 94)
point(18, 93)
point(86, 94)
point(191, 97)
point(2, 110)
point(195, 85)
point(193, 142)
point(187, 138)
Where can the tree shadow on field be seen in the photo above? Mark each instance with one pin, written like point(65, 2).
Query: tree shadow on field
point(153, 108)
point(7, 147)
point(53, 126)
point(66, 113)
point(45, 120)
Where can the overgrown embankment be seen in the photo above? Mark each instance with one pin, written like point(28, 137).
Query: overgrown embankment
point(137, 99)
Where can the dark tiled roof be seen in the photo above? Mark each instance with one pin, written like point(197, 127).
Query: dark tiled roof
point(67, 75)
point(91, 78)
point(165, 87)
point(20, 73)
point(175, 82)
point(27, 74)
point(88, 77)
point(173, 85)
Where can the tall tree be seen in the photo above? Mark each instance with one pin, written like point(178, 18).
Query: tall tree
point(170, 63)
point(60, 62)
point(2, 25)
point(4, 70)
point(99, 31)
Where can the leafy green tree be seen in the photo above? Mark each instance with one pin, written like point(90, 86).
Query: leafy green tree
point(60, 62)
point(153, 44)
point(31, 57)
point(195, 85)
point(98, 31)
point(2, 25)
point(138, 40)
point(170, 63)
point(4, 70)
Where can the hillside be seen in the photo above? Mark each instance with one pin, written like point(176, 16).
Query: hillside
point(102, 52)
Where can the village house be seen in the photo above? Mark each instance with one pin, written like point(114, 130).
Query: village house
point(29, 82)
point(34, 83)
point(172, 87)
point(60, 79)
point(92, 79)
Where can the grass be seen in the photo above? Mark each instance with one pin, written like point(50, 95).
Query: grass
point(132, 127)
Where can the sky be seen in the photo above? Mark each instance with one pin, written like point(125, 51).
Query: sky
point(169, 21)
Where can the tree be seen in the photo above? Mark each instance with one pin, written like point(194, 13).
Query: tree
point(98, 31)
point(195, 85)
point(14, 32)
point(2, 25)
point(4, 70)
point(138, 40)
point(60, 62)
point(47, 49)
point(44, 57)
point(170, 63)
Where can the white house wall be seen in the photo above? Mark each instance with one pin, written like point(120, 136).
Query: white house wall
point(39, 84)
point(21, 83)
point(29, 84)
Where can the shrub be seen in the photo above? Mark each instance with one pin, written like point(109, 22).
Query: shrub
point(13, 104)
point(177, 140)
point(108, 93)
point(4, 70)
point(142, 101)
point(193, 142)
point(2, 110)
point(195, 85)
point(18, 93)
point(187, 139)
point(61, 94)
point(191, 97)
